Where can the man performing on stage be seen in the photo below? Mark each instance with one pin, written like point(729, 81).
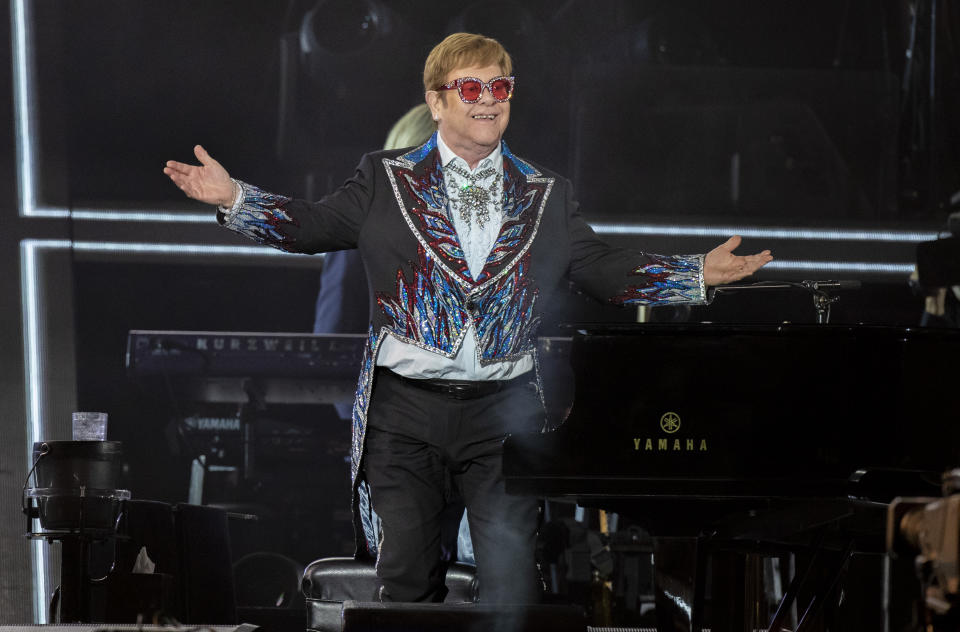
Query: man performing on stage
point(463, 242)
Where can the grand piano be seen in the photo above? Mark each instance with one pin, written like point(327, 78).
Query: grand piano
point(724, 439)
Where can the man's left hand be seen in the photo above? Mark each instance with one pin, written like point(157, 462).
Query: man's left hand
point(721, 266)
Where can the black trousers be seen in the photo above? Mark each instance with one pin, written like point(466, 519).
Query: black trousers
point(421, 449)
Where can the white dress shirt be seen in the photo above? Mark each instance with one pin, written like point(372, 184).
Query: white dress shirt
point(477, 242)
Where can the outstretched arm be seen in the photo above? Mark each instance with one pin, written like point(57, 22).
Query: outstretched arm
point(292, 225)
point(209, 182)
point(721, 266)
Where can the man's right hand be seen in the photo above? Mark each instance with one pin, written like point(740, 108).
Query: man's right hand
point(208, 183)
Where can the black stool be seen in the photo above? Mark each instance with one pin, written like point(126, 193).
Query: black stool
point(329, 582)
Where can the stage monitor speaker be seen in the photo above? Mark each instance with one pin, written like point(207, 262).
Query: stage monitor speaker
point(401, 617)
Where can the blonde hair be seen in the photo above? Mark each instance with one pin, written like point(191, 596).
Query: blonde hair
point(460, 50)
point(413, 128)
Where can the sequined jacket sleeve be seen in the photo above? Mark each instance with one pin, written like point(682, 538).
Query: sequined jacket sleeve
point(293, 225)
point(627, 277)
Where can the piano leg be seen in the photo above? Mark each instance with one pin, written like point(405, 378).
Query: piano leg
point(818, 582)
point(834, 569)
point(849, 595)
point(678, 583)
point(733, 583)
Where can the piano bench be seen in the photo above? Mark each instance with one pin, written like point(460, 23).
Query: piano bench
point(329, 582)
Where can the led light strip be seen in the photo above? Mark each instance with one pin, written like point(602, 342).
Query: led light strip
point(32, 347)
point(782, 232)
point(22, 86)
point(777, 232)
point(845, 267)
point(142, 216)
point(663, 230)
point(120, 215)
point(176, 249)
point(23, 122)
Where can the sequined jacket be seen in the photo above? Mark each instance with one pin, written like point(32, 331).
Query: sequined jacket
point(394, 209)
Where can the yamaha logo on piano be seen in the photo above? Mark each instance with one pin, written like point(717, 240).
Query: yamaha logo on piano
point(669, 424)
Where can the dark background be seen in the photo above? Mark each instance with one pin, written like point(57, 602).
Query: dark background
point(809, 95)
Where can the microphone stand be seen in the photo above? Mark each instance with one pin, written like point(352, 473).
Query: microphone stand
point(818, 289)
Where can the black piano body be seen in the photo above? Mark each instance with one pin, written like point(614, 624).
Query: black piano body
point(753, 435)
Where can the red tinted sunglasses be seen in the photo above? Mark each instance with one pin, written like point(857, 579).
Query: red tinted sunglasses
point(470, 89)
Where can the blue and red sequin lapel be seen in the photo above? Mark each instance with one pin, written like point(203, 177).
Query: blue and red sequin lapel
point(525, 194)
point(417, 181)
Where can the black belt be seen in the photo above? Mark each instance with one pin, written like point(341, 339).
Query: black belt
point(457, 389)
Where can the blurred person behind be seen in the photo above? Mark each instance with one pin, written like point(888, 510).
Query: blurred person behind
point(343, 302)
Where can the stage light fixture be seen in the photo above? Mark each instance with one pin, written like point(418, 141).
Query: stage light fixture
point(515, 33)
point(344, 26)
